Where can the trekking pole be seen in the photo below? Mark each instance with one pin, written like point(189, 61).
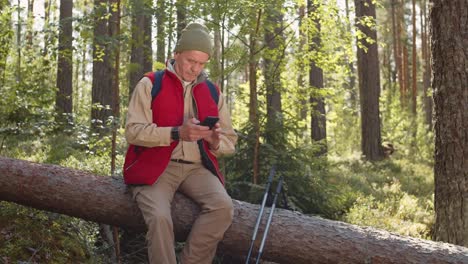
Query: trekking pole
point(259, 217)
point(278, 190)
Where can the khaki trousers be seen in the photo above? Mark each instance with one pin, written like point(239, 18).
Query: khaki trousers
point(215, 216)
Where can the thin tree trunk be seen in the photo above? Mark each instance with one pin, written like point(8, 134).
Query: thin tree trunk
point(82, 70)
point(161, 34)
point(217, 76)
point(64, 94)
point(5, 39)
point(181, 11)
point(317, 102)
point(406, 69)
point(369, 85)
point(352, 72)
point(304, 90)
point(293, 237)
point(399, 46)
point(30, 22)
point(253, 100)
point(428, 103)
point(170, 29)
point(114, 30)
point(47, 37)
point(414, 93)
point(18, 44)
point(450, 79)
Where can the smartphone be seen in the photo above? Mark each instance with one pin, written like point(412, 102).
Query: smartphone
point(210, 121)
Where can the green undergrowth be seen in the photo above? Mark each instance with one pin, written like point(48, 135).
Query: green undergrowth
point(33, 236)
point(394, 195)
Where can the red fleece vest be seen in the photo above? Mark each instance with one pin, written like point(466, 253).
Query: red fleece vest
point(144, 165)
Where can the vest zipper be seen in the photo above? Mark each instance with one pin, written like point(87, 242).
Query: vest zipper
point(131, 165)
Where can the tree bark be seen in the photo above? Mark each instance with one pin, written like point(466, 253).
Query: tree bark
point(352, 76)
point(293, 238)
point(217, 74)
point(428, 103)
point(302, 49)
point(369, 84)
point(450, 79)
point(181, 12)
point(64, 94)
point(317, 101)
point(273, 61)
point(114, 29)
point(255, 17)
point(101, 85)
point(29, 24)
point(161, 34)
point(141, 59)
point(414, 93)
point(398, 17)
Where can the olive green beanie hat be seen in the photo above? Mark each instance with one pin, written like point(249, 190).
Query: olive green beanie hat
point(195, 37)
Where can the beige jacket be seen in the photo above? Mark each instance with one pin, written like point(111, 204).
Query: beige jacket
point(141, 131)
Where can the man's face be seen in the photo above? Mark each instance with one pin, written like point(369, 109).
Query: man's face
point(189, 64)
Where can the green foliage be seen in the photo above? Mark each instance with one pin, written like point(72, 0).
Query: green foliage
point(306, 180)
point(395, 195)
point(409, 135)
point(29, 235)
point(395, 211)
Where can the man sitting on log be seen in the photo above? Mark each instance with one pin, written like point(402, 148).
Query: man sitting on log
point(172, 149)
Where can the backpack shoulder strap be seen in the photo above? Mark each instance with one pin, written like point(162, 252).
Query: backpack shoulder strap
point(157, 82)
point(213, 91)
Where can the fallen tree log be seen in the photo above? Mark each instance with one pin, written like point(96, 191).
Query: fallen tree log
point(293, 237)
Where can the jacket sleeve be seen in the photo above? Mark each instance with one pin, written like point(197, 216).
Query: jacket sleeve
point(139, 128)
point(229, 138)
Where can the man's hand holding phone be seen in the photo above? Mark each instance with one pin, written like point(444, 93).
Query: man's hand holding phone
point(210, 121)
point(209, 130)
point(214, 137)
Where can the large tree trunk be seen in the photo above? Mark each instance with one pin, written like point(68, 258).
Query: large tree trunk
point(64, 94)
point(450, 79)
point(293, 238)
point(369, 84)
point(141, 59)
point(101, 98)
point(273, 58)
